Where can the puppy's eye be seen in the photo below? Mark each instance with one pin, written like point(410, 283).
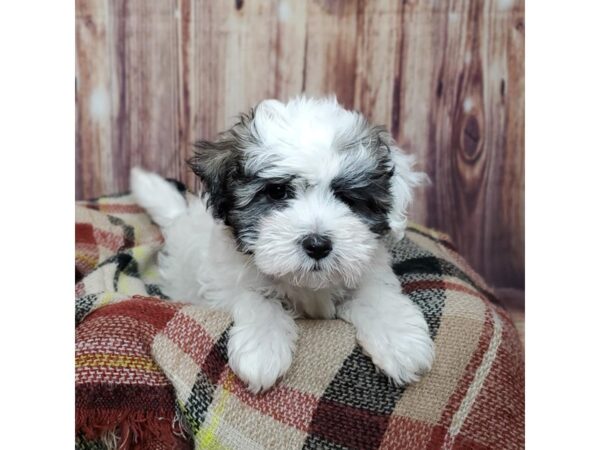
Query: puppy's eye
point(276, 191)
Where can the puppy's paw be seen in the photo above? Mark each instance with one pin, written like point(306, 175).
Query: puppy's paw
point(404, 354)
point(259, 358)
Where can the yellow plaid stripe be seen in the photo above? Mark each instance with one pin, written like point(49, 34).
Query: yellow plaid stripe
point(109, 360)
point(429, 232)
point(85, 258)
point(206, 437)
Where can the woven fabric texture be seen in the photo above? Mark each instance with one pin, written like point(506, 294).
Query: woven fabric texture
point(143, 361)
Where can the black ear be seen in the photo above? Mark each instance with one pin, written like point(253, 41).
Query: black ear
point(219, 163)
point(215, 163)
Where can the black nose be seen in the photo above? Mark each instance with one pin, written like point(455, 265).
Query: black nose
point(316, 246)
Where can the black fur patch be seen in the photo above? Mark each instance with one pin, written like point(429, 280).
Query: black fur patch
point(367, 193)
point(244, 219)
point(219, 164)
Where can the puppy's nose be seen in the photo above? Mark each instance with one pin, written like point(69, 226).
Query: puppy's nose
point(316, 246)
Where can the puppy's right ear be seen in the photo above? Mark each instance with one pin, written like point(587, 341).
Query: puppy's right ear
point(215, 164)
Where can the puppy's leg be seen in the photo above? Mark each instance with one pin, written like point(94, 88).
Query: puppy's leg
point(262, 340)
point(390, 328)
point(157, 196)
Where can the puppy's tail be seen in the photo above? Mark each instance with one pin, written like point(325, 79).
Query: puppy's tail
point(160, 198)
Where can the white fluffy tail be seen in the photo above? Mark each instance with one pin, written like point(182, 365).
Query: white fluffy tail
point(157, 196)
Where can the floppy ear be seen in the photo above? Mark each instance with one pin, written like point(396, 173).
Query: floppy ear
point(218, 164)
point(215, 164)
point(403, 181)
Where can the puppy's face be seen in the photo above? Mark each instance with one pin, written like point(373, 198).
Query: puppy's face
point(307, 188)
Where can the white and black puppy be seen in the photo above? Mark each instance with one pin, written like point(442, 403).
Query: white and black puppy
point(296, 200)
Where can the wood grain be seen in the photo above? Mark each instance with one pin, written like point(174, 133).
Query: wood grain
point(447, 78)
point(330, 59)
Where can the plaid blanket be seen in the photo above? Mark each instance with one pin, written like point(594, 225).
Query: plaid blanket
point(152, 373)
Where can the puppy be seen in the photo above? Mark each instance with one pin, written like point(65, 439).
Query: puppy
point(296, 202)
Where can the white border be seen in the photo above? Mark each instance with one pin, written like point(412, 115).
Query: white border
point(562, 224)
point(37, 88)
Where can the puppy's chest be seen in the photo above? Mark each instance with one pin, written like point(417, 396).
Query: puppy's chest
point(314, 304)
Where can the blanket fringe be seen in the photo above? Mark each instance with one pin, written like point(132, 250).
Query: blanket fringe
point(120, 430)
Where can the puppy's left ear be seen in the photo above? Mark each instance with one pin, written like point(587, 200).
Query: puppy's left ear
point(215, 163)
point(403, 181)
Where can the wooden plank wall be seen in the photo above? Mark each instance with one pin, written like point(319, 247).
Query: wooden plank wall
point(446, 77)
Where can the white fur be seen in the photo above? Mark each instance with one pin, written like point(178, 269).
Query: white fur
point(266, 290)
point(277, 252)
point(389, 327)
point(160, 198)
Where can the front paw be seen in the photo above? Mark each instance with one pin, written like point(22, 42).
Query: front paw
point(402, 353)
point(258, 356)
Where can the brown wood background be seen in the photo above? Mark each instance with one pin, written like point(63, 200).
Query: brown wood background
point(446, 77)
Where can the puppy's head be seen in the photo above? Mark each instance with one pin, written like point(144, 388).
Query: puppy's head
point(307, 188)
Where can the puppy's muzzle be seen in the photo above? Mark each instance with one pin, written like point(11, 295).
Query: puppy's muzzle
point(316, 246)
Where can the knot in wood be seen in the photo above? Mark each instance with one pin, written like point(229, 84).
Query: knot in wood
point(471, 138)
